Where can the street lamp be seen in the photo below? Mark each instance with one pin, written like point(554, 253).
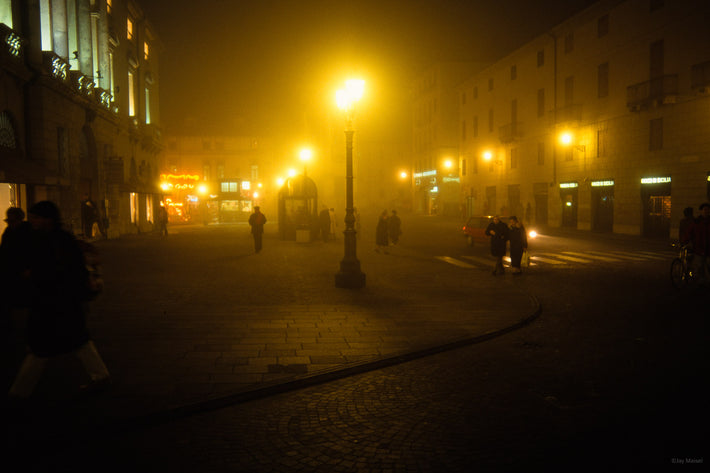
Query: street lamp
point(305, 156)
point(350, 275)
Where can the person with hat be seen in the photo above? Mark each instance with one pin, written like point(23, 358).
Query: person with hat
point(257, 221)
point(57, 319)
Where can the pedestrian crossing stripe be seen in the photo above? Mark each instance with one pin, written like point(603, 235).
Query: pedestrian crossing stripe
point(542, 259)
point(485, 261)
point(625, 256)
point(599, 257)
point(455, 262)
point(563, 256)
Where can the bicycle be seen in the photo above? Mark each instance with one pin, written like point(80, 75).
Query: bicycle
point(681, 270)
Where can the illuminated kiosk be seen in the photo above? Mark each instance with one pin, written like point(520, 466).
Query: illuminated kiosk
point(298, 209)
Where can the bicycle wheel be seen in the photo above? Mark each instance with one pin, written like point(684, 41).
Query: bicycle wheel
point(679, 278)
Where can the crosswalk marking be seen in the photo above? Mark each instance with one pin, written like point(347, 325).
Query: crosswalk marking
point(542, 259)
point(455, 262)
point(562, 258)
point(573, 258)
point(599, 257)
point(486, 261)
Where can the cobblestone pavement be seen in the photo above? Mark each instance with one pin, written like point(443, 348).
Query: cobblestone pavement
point(197, 320)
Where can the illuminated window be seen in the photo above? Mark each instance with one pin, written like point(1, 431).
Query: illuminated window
point(149, 208)
point(45, 13)
point(109, 6)
point(147, 106)
point(95, 70)
point(131, 95)
point(111, 78)
point(134, 207)
point(129, 29)
point(6, 13)
point(146, 50)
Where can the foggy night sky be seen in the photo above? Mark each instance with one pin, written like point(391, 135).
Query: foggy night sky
point(263, 63)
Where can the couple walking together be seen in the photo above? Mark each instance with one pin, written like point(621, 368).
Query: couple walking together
point(500, 234)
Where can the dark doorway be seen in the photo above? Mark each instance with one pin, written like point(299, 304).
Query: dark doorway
point(656, 198)
point(569, 207)
point(603, 209)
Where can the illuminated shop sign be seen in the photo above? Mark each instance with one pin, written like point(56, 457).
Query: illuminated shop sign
point(568, 185)
point(602, 183)
point(655, 180)
point(425, 173)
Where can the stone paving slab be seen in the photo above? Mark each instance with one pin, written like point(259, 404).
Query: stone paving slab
point(179, 326)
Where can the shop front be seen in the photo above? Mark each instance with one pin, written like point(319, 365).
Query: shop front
point(602, 203)
point(570, 201)
point(656, 200)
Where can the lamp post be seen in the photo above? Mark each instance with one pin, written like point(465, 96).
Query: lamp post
point(350, 275)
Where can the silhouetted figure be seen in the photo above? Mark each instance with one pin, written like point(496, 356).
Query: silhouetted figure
point(162, 221)
point(257, 221)
point(381, 236)
point(394, 227)
point(333, 223)
point(698, 234)
point(14, 252)
point(498, 231)
point(57, 318)
point(518, 243)
point(89, 216)
point(685, 223)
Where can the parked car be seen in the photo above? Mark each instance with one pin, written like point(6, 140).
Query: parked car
point(475, 229)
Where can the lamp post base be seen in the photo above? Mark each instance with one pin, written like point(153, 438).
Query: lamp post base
point(349, 276)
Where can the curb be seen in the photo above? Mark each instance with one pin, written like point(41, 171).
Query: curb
point(187, 410)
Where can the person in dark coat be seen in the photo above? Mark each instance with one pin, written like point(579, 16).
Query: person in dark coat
point(518, 243)
point(14, 250)
point(698, 234)
point(685, 222)
point(394, 227)
point(89, 215)
point(257, 221)
point(324, 223)
point(498, 231)
point(381, 236)
point(57, 318)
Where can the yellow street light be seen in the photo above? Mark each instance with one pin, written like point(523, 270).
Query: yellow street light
point(487, 155)
point(566, 138)
point(350, 275)
point(280, 181)
point(305, 154)
point(291, 172)
point(403, 175)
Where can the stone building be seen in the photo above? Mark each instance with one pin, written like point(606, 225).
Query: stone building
point(79, 110)
point(601, 123)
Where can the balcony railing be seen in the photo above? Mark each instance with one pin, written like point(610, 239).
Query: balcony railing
point(659, 91)
point(12, 43)
point(510, 132)
point(56, 66)
point(700, 77)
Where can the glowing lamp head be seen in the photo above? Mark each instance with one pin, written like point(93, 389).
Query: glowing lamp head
point(532, 233)
point(291, 172)
point(448, 164)
point(202, 189)
point(280, 181)
point(403, 175)
point(487, 155)
point(566, 138)
point(353, 92)
point(305, 154)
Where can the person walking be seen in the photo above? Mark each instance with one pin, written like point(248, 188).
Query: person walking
point(518, 243)
point(324, 223)
point(394, 227)
point(498, 231)
point(89, 216)
point(257, 221)
point(57, 318)
point(162, 220)
point(381, 237)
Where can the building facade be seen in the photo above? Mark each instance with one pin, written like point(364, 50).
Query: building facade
point(79, 110)
point(600, 124)
point(435, 134)
point(217, 178)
